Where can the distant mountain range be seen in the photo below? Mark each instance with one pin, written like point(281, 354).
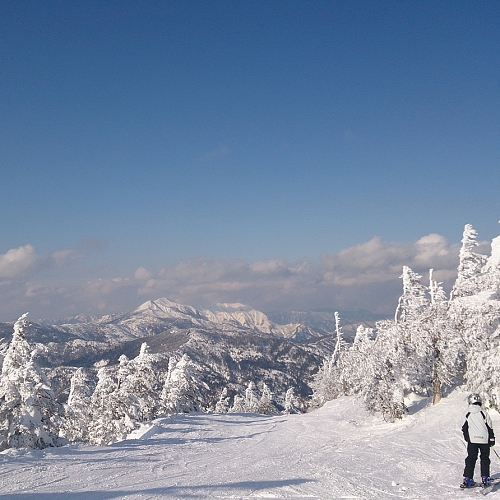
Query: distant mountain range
point(156, 316)
point(232, 344)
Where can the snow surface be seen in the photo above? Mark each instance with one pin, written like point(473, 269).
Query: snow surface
point(338, 451)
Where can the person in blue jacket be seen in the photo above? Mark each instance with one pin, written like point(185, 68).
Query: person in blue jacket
point(478, 432)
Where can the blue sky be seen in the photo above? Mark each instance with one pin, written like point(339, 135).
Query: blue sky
point(142, 142)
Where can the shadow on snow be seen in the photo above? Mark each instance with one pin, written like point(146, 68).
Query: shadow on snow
point(179, 491)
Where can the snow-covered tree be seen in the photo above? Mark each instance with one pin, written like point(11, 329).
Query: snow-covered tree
point(443, 347)
point(223, 405)
point(251, 399)
point(106, 425)
point(238, 404)
point(468, 281)
point(139, 386)
point(362, 338)
point(330, 382)
point(476, 319)
point(382, 373)
point(29, 413)
point(182, 389)
point(78, 417)
point(491, 270)
point(291, 403)
point(413, 299)
point(266, 403)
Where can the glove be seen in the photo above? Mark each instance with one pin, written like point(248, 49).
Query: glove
point(492, 442)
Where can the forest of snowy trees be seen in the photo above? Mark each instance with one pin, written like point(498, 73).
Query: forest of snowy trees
point(105, 408)
point(432, 343)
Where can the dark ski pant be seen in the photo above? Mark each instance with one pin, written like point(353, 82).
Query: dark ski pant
point(470, 461)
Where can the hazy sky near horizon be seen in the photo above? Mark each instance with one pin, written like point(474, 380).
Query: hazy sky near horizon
point(282, 154)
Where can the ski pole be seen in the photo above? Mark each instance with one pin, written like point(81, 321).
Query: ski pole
point(495, 452)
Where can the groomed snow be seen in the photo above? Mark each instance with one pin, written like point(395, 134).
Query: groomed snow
point(338, 451)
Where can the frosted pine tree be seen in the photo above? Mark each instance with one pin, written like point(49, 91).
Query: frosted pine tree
point(362, 338)
point(127, 409)
point(468, 281)
point(330, 382)
point(322, 385)
point(491, 270)
point(238, 404)
point(78, 418)
point(223, 405)
point(383, 373)
point(429, 344)
point(476, 318)
point(139, 387)
point(413, 300)
point(251, 399)
point(266, 403)
point(182, 389)
point(357, 367)
point(29, 413)
point(474, 312)
point(445, 347)
point(145, 383)
point(109, 424)
point(291, 403)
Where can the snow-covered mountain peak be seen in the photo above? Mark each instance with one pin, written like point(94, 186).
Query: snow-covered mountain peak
point(236, 306)
point(164, 307)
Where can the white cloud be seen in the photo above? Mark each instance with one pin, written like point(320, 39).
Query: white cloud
point(340, 277)
point(18, 262)
point(377, 261)
point(363, 276)
point(141, 273)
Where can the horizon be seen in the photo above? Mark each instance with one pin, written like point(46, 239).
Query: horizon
point(284, 158)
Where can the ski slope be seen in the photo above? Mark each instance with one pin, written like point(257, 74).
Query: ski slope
point(338, 451)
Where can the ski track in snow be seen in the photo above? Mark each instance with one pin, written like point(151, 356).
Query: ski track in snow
point(336, 452)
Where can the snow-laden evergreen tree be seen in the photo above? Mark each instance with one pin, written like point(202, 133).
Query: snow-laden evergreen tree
point(124, 397)
point(474, 312)
point(267, 405)
point(382, 378)
point(357, 362)
point(444, 348)
point(413, 299)
point(291, 403)
point(238, 404)
point(223, 405)
point(251, 399)
point(78, 416)
point(476, 318)
point(139, 387)
point(109, 422)
point(330, 381)
point(413, 339)
point(362, 338)
point(468, 281)
point(182, 389)
point(30, 416)
point(491, 270)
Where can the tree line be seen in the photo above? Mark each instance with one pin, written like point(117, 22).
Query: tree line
point(433, 341)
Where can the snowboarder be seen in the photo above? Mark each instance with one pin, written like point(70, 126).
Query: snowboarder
point(478, 432)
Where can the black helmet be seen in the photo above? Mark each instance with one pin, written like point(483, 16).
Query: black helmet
point(475, 399)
